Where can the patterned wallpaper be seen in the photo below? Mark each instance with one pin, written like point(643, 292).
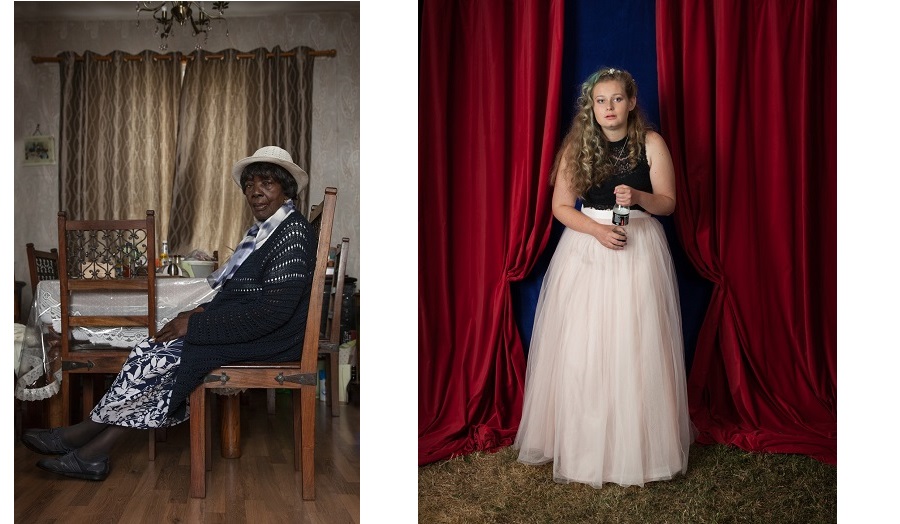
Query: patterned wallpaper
point(335, 134)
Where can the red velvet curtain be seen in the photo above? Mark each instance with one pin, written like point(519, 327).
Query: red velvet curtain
point(488, 102)
point(748, 104)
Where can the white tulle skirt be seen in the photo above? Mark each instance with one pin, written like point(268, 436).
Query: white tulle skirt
point(605, 393)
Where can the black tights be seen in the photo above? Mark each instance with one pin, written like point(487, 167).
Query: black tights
point(94, 440)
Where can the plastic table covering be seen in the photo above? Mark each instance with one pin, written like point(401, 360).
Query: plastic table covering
point(33, 382)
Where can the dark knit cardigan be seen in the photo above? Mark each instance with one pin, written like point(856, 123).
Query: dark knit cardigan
point(258, 314)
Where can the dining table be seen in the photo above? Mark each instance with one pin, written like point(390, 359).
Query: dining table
point(39, 374)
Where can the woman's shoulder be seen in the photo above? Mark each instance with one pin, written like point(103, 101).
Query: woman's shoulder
point(653, 139)
point(296, 225)
point(655, 144)
point(295, 221)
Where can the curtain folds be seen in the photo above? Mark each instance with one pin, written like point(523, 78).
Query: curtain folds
point(748, 101)
point(488, 102)
point(116, 151)
point(230, 108)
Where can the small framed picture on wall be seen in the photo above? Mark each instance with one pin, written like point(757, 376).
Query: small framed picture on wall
point(39, 150)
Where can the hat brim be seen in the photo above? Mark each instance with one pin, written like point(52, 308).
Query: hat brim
point(296, 171)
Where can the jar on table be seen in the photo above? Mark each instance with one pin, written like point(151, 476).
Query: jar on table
point(174, 269)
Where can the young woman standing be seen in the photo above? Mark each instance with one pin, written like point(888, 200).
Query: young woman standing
point(605, 388)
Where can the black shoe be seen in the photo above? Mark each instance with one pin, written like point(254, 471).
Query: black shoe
point(45, 441)
point(72, 466)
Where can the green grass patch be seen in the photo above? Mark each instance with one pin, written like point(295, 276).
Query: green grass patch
point(723, 484)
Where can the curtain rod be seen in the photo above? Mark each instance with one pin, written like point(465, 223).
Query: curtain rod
point(51, 59)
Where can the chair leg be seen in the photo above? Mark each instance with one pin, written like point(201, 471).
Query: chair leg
point(156, 435)
point(87, 395)
point(297, 419)
point(304, 447)
point(207, 425)
point(270, 401)
point(334, 383)
point(199, 454)
point(64, 389)
point(55, 410)
point(231, 425)
point(19, 409)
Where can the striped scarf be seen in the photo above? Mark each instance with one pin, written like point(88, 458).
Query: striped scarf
point(255, 237)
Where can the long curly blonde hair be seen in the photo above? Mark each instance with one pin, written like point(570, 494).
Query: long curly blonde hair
point(585, 148)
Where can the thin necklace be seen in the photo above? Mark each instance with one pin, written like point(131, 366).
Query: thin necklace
point(619, 157)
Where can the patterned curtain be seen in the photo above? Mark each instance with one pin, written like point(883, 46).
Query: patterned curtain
point(116, 150)
point(232, 104)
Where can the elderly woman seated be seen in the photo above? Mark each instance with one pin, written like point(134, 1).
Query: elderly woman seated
point(259, 314)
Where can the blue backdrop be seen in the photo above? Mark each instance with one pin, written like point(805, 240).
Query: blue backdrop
point(621, 35)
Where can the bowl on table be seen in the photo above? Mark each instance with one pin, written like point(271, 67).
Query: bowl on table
point(198, 268)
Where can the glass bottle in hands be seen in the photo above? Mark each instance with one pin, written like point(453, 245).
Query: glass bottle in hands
point(620, 215)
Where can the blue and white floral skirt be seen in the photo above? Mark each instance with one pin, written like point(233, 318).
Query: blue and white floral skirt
point(139, 396)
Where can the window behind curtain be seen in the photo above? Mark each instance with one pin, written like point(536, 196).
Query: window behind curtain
point(232, 104)
point(135, 137)
point(118, 122)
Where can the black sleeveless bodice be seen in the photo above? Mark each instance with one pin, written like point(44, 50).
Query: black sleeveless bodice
point(602, 197)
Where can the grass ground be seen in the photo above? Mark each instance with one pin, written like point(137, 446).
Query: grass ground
point(723, 485)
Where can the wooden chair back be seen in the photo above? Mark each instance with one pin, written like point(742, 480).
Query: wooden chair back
point(110, 256)
point(42, 265)
point(330, 343)
point(299, 376)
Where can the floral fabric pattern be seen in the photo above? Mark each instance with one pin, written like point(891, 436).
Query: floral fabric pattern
point(140, 394)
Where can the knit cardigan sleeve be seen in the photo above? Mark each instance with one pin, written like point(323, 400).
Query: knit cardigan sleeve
point(264, 293)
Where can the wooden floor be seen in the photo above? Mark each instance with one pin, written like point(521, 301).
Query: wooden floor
point(261, 486)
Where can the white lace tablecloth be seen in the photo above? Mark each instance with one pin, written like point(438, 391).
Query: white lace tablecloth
point(173, 295)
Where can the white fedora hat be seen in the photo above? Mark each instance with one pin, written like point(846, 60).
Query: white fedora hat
point(273, 155)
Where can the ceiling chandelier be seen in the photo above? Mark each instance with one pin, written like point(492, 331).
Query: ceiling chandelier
point(165, 13)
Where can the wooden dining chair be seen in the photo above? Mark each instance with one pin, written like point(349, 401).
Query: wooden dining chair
point(113, 256)
point(330, 341)
point(330, 334)
point(17, 309)
point(299, 376)
point(42, 265)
